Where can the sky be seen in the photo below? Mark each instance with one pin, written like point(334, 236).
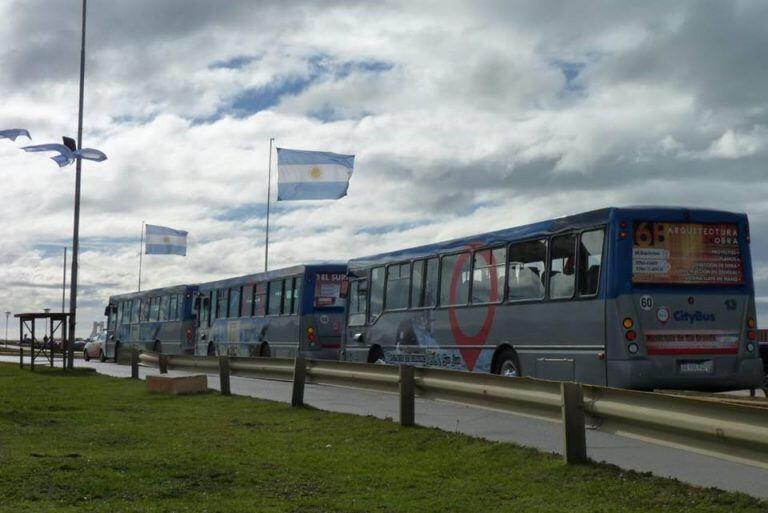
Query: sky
point(463, 116)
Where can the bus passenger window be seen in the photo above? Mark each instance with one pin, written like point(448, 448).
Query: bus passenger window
point(234, 302)
point(590, 258)
point(454, 280)
point(562, 267)
point(292, 295)
point(145, 309)
point(135, 310)
point(430, 283)
point(527, 261)
point(163, 314)
point(173, 302)
point(275, 305)
point(260, 299)
point(398, 278)
point(222, 303)
point(417, 284)
point(247, 301)
point(377, 291)
point(488, 276)
point(357, 298)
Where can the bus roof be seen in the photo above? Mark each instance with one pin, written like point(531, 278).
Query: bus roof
point(173, 289)
point(325, 267)
point(544, 228)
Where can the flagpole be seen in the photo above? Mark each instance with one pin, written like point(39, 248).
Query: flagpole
point(269, 194)
point(141, 250)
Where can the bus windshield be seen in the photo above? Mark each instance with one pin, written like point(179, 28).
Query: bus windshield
point(686, 253)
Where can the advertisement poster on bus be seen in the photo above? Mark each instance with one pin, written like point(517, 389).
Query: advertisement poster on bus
point(330, 290)
point(686, 253)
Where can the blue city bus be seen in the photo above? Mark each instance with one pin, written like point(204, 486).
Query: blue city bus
point(160, 320)
point(638, 297)
point(280, 313)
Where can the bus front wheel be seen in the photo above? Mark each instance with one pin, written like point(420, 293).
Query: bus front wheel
point(376, 355)
point(117, 349)
point(157, 347)
point(507, 363)
point(264, 351)
point(211, 350)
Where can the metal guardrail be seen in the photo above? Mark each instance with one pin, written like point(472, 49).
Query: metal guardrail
point(728, 431)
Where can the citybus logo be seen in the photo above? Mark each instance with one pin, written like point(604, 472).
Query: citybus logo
point(692, 317)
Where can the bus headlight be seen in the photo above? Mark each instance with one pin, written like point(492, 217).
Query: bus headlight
point(750, 347)
point(633, 348)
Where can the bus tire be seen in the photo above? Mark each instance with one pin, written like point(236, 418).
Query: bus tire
point(211, 351)
point(265, 351)
point(86, 357)
point(376, 355)
point(102, 356)
point(506, 363)
point(117, 349)
point(157, 347)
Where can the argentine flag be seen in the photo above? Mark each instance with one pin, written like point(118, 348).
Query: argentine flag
point(312, 175)
point(161, 240)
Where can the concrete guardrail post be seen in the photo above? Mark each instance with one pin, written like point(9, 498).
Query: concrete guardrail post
point(574, 431)
point(407, 396)
point(21, 357)
point(134, 362)
point(162, 361)
point(224, 375)
point(299, 378)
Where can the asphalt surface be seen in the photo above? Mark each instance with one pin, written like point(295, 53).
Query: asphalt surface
point(494, 425)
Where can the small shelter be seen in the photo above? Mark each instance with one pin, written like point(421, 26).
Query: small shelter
point(57, 337)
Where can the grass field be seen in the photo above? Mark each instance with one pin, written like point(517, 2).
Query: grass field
point(84, 442)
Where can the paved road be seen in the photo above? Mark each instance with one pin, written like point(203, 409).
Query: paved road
point(499, 426)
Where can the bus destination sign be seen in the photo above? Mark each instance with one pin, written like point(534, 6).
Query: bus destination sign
point(686, 253)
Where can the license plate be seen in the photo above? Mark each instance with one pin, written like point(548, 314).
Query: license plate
point(696, 367)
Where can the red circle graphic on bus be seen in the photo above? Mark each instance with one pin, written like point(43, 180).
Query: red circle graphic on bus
point(471, 355)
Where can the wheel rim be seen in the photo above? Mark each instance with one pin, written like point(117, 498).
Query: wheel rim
point(509, 369)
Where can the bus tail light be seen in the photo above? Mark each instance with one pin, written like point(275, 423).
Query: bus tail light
point(750, 347)
point(631, 335)
point(628, 323)
point(633, 348)
point(751, 335)
point(190, 334)
point(311, 335)
point(751, 323)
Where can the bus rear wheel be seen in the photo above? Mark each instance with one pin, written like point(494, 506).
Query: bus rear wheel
point(157, 347)
point(265, 351)
point(211, 350)
point(507, 363)
point(117, 350)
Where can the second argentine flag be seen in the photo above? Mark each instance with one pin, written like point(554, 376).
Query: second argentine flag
point(312, 175)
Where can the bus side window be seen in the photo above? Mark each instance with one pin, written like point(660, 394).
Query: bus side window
point(454, 282)
point(527, 261)
point(590, 259)
point(260, 299)
point(163, 314)
point(562, 267)
point(398, 278)
point(292, 295)
point(275, 304)
point(145, 309)
point(234, 302)
point(172, 307)
point(417, 284)
point(222, 303)
point(377, 291)
point(488, 275)
point(357, 300)
point(247, 301)
point(430, 283)
point(135, 309)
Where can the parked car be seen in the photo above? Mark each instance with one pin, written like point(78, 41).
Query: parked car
point(79, 344)
point(94, 348)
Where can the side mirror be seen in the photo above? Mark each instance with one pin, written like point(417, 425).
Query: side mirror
point(358, 337)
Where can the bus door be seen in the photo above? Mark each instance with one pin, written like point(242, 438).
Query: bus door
point(327, 321)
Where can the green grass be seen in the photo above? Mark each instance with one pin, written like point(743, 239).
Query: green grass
point(83, 442)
